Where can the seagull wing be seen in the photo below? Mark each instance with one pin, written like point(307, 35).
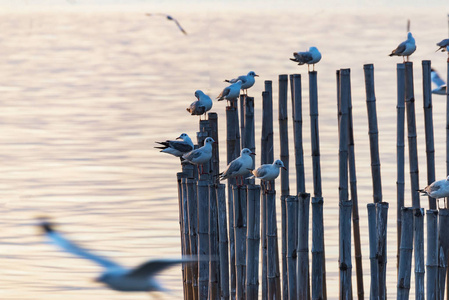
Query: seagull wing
point(196, 108)
point(261, 171)
point(437, 79)
point(152, 267)
point(63, 243)
point(401, 48)
point(233, 168)
point(192, 154)
point(224, 93)
point(181, 146)
point(179, 26)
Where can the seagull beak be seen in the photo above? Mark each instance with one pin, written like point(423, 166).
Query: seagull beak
point(284, 168)
point(179, 138)
point(252, 153)
point(256, 75)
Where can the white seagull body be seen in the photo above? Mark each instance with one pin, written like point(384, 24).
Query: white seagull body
point(171, 19)
point(201, 155)
point(202, 105)
point(310, 57)
point(444, 44)
point(441, 85)
point(438, 189)
point(231, 92)
point(239, 166)
point(140, 279)
point(248, 80)
point(268, 172)
point(406, 48)
point(177, 148)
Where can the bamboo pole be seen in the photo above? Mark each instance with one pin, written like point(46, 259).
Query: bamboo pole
point(223, 242)
point(428, 123)
point(443, 248)
point(405, 263)
point(317, 249)
point(373, 132)
point(242, 103)
point(249, 140)
point(355, 205)
point(273, 282)
point(233, 151)
point(381, 224)
point(316, 168)
point(203, 238)
point(432, 255)
point(419, 253)
point(292, 232)
point(411, 129)
point(240, 228)
point(285, 190)
point(345, 264)
point(202, 134)
point(192, 204)
point(264, 254)
point(374, 271)
point(295, 82)
point(253, 242)
point(179, 176)
point(447, 119)
point(215, 161)
point(214, 250)
point(400, 145)
point(302, 268)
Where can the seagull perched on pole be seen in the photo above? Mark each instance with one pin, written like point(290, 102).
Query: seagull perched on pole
point(441, 85)
point(171, 19)
point(177, 148)
point(406, 48)
point(268, 172)
point(140, 279)
point(310, 57)
point(239, 166)
point(231, 92)
point(248, 80)
point(201, 106)
point(438, 189)
point(201, 155)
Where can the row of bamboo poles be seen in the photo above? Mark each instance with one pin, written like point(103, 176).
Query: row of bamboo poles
point(236, 226)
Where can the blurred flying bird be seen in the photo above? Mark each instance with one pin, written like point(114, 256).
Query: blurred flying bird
point(175, 147)
point(140, 279)
point(248, 80)
point(310, 57)
point(441, 85)
point(406, 48)
point(169, 18)
point(201, 106)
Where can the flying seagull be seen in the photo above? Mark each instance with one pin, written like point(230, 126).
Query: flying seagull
point(248, 80)
point(169, 18)
point(438, 189)
point(406, 48)
point(310, 57)
point(175, 147)
point(441, 85)
point(140, 279)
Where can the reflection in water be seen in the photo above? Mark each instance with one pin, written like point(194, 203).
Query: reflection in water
point(86, 94)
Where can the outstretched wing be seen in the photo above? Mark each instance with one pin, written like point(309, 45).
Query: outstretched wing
point(153, 267)
point(179, 26)
point(63, 243)
point(436, 78)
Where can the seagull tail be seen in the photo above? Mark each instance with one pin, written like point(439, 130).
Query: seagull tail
point(226, 80)
point(391, 54)
point(293, 59)
point(251, 177)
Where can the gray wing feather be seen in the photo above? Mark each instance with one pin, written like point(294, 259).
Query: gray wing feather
point(233, 167)
point(400, 48)
point(261, 171)
point(181, 146)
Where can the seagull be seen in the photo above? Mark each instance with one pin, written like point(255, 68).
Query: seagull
point(443, 45)
point(201, 155)
point(177, 148)
point(231, 92)
point(171, 19)
point(310, 57)
point(140, 279)
point(406, 48)
point(441, 85)
point(248, 80)
point(201, 106)
point(268, 172)
point(438, 189)
point(239, 166)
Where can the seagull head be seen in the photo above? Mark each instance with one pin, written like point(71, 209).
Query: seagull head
point(183, 136)
point(278, 163)
point(410, 36)
point(246, 151)
point(198, 93)
point(253, 74)
point(209, 140)
point(313, 49)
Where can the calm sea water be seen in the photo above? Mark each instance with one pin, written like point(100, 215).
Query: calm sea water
point(85, 94)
